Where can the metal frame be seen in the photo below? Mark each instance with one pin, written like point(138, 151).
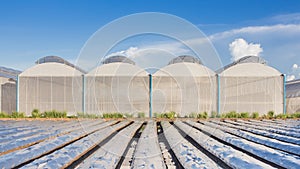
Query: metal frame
point(150, 95)
point(83, 94)
point(284, 93)
point(218, 95)
point(17, 94)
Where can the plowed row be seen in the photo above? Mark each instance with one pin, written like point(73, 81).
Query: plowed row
point(150, 144)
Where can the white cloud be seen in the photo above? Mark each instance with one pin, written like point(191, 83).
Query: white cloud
point(287, 18)
point(281, 46)
point(290, 77)
point(131, 52)
point(294, 72)
point(295, 66)
point(270, 29)
point(281, 43)
point(240, 48)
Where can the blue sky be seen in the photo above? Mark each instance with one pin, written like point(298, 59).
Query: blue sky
point(32, 29)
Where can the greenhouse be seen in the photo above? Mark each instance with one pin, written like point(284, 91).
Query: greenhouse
point(293, 96)
point(184, 86)
point(50, 85)
point(8, 79)
point(117, 86)
point(250, 85)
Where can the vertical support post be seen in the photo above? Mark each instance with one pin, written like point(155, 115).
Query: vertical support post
point(17, 93)
point(150, 95)
point(51, 89)
point(284, 93)
point(83, 94)
point(218, 95)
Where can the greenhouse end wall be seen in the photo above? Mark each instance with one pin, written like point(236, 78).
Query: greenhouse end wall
point(122, 94)
point(8, 97)
point(251, 94)
point(293, 104)
point(184, 95)
point(50, 93)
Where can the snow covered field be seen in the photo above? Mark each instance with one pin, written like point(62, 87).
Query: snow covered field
point(150, 144)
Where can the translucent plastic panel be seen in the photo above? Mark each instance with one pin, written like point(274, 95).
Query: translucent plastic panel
point(8, 97)
point(251, 94)
point(50, 93)
point(293, 104)
point(184, 95)
point(124, 94)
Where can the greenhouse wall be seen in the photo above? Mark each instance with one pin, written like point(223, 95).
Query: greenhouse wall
point(293, 104)
point(50, 86)
point(123, 94)
point(251, 94)
point(184, 95)
point(50, 93)
point(293, 96)
point(117, 87)
point(184, 88)
point(7, 95)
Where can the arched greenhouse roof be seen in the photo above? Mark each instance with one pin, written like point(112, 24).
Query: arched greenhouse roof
point(185, 69)
point(293, 89)
point(57, 59)
point(246, 59)
point(185, 58)
point(118, 59)
point(9, 73)
point(51, 69)
point(250, 70)
point(118, 69)
point(251, 59)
